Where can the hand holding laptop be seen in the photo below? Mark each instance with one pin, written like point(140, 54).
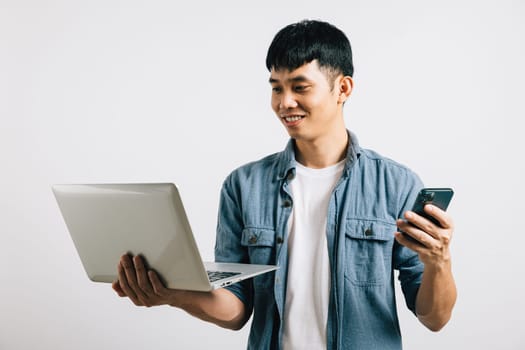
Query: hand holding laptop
point(143, 286)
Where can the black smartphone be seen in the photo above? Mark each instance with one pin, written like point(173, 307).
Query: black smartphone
point(440, 197)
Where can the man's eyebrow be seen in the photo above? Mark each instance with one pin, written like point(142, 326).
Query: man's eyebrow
point(297, 79)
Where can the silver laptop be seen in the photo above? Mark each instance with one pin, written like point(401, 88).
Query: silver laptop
point(106, 221)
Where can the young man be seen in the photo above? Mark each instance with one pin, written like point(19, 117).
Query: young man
point(327, 212)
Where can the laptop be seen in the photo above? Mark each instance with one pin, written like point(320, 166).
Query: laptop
point(106, 221)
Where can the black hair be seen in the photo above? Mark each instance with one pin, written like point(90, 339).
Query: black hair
point(302, 42)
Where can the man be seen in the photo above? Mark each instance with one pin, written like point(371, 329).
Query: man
point(326, 211)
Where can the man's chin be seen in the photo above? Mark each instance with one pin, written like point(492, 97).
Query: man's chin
point(299, 136)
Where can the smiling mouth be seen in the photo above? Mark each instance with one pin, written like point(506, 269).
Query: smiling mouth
point(292, 118)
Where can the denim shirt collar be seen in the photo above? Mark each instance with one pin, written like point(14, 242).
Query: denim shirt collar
point(287, 161)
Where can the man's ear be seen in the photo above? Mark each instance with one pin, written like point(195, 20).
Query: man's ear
point(346, 85)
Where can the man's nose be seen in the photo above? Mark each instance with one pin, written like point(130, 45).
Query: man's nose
point(287, 101)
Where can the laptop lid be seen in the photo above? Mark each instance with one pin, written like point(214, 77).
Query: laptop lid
point(106, 221)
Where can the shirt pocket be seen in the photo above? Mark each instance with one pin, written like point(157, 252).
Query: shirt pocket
point(368, 251)
point(260, 243)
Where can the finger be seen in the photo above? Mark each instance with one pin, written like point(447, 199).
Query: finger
point(414, 234)
point(132, 278)
point(422, 223)
point(129, 271)
point(409, 242)
point(445, 221)
point(158, 286)
point(142, 275)
point(141, 298)
point(117, 288)
point(123, 282)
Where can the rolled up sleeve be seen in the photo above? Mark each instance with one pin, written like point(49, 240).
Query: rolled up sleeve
point(228, 246)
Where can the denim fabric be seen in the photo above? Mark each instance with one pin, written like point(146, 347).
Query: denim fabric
point(372, 193)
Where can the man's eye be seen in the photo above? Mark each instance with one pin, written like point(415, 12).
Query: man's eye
point(276, 89)
point(300, 88)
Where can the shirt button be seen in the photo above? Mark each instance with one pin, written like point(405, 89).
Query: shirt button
point(252, 240)
point(287, 204)
point(369, 232)
point(279, 240)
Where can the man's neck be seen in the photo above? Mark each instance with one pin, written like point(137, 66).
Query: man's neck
point(322, 152)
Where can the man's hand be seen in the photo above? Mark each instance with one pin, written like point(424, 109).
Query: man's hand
point(429, 240)
point(141, 285)
point(144, 288)
point(437, 293)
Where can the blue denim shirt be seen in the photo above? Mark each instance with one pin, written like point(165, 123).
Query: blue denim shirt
point(372, 193)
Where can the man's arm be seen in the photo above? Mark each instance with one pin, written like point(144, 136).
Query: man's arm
point(144, 288)
point(437, 294)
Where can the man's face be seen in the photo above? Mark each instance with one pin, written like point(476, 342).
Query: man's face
point(306, 101)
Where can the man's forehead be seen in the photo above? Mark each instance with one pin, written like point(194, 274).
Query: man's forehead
point(300, 73)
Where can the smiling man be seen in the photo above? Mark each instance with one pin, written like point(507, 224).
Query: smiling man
point(327, 212)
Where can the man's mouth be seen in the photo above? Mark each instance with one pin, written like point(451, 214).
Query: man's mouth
point(292, 118)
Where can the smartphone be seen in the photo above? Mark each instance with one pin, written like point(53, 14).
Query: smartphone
point(440, 197)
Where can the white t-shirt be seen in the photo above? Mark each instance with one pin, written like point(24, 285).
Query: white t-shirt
point(308, 285)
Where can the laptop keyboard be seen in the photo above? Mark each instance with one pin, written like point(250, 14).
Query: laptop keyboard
point(217, 275)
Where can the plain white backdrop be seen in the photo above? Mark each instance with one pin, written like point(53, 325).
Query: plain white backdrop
point(146, 91)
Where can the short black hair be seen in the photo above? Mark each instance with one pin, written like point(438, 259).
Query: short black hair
point(302, 42)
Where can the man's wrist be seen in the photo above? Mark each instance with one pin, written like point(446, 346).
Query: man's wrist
point(438, 267)
point(178, 298)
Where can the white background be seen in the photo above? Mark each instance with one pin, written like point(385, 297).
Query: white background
point(140, 91)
